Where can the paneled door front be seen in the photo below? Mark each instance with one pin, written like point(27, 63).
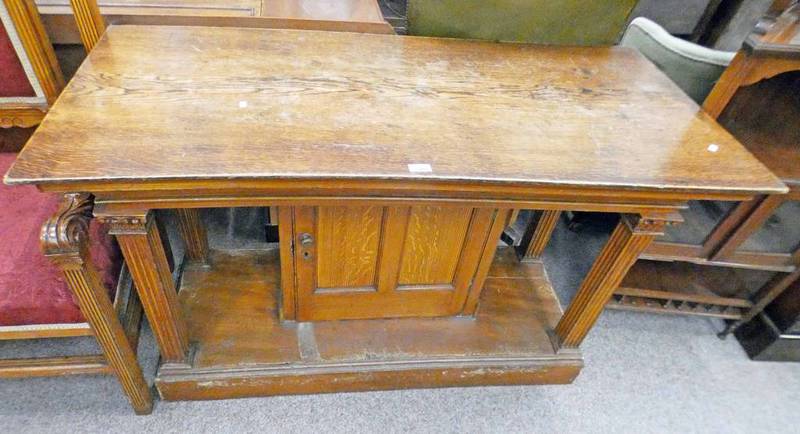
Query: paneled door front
point(354, 262)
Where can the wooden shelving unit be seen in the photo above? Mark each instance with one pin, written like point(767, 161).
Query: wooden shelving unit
point(674, 276)
point(686, 288)
point(769, 248)
point(730, 260)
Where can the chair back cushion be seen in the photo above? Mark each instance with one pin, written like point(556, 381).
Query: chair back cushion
point(32, 289)
point(562, 22)
point(694, 68)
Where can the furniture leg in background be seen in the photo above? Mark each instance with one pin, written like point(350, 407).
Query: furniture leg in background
point(537, 235)
point(194, 234)
point(142, 247)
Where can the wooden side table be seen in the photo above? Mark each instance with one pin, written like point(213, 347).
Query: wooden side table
point(394, 163)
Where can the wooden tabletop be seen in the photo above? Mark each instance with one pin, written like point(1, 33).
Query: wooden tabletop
point(155, 103)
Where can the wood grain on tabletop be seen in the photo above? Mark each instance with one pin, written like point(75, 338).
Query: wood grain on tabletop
point(159, 103)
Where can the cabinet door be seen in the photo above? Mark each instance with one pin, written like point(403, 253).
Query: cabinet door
point(354, 262)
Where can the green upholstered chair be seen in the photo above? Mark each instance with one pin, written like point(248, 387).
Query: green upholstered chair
point(694, 68)
point(563, 22)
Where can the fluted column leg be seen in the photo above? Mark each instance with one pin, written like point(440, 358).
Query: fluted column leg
point(631, 236)
point(65, 241)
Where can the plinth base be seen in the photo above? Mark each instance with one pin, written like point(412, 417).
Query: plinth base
point(242, 349)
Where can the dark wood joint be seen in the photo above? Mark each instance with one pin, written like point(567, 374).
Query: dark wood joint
point(136, 224)
point(652, 224)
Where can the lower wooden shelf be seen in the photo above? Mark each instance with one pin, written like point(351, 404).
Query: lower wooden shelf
point(242, 349)
point(689, 289)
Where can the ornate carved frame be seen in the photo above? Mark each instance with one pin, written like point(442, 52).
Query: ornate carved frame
point(24, 27)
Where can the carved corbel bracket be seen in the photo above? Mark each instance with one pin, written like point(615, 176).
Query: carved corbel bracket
point(65, 235)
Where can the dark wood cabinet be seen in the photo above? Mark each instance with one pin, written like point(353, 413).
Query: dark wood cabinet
point(775, 333)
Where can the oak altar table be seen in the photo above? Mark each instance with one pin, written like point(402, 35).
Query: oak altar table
point(394, 163)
